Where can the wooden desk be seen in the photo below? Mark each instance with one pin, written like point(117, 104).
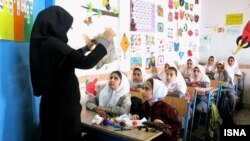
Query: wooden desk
point(107, 133)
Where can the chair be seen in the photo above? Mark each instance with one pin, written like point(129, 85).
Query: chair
point(194, 92)
point(183, 107)
point(136, 94)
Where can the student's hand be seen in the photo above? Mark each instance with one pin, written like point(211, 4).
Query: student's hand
point(135, 117)
point(158, 121)
point(194, 84)
point(100, 111)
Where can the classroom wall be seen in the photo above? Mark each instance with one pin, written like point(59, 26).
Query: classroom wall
point(163, 31)
point(219, 39)
point(19, 119)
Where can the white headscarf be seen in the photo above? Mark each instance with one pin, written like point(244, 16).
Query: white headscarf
point(109, 98)
point(163, 75)
point(179, 84)
point(202, 78)
point(159, 91)
point(135, 84)
point(187, 71)
point(220, 76)
point(210, 68)
point(235, 67)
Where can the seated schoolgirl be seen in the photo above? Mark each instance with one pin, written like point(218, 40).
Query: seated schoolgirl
point(114, 98)
point(137, 79)
point(157, 111)
point(175, 83)
point(163, 74)
point(199, 79)
point(210, 67)
point(233, 63)
point(228, 97)
point(188, 70)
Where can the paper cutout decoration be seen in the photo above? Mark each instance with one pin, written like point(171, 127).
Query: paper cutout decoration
point(243, 41)
point(196, 32)
point(124, 44)
point(106, 4)
point(176, 46)
point(150, 62)
point(196, 1)
point(115, 11)
point(186, 6)
point(99, 13)
point(191, 17)
point(181, 54)
point(190, 32)
point(191, 6)
point(176, 4)
point(181, 2)
point(88, 21)
point(170, 4)
point(179, 32)
point(135, 62)
point(160, 27)
point(150, 40)
point(90, 87)
point(160, 11)
point(196, 18)
point(176, 15)
point(190, 53)
point(185, 27)
point(182, 13)
point(89, 7)
point(170, 16)
point(160, 60)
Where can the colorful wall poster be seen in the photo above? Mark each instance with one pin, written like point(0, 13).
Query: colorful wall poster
point(16, 19)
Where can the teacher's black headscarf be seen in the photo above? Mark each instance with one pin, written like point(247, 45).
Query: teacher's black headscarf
point(51, 24)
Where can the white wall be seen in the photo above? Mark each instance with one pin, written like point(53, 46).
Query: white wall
point(221, 44)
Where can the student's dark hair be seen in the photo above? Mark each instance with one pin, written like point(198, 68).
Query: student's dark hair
point(231, 57)
point(137, 69)
point(151, 81)
point(189, 60)
point(136, 104)
point(211, 57)
point(173, 69)
point(118, 73)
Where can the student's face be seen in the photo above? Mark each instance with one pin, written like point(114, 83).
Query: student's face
point(196, 72)
point(114, 81)
point(220, 68)
point(171, 76)
point(137, 76)
point(189, 64)
point(230, 61)
point(147, 91)
point(211, 61)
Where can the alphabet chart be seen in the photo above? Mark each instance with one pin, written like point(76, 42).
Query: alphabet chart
point(142, 16)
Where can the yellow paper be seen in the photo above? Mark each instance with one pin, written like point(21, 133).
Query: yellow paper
point(234, 19)
point(124, 43)
point(6, 23)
